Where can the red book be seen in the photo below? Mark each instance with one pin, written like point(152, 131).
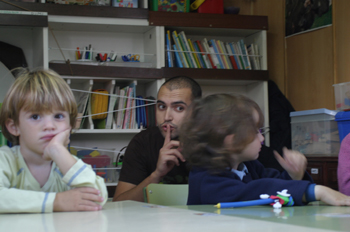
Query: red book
point(230, 54)
point(233, 62)
point(203, 50)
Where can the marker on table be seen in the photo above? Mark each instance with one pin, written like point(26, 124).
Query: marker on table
point(244, 203)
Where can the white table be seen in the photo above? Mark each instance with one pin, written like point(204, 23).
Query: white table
point(141, 217)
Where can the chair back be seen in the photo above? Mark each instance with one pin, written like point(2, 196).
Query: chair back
point(166, 194)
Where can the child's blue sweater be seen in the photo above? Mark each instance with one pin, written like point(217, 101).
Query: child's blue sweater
point(206, 187)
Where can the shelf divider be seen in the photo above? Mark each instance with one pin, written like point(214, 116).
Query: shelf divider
point(77, 10)
point(217, 74)
point(162, 18)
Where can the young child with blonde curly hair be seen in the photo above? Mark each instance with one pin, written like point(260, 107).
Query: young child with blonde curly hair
point(39, 174)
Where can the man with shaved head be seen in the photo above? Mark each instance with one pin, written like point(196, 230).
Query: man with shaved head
point(152, 156)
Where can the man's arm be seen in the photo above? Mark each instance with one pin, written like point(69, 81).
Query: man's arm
point(128, 191)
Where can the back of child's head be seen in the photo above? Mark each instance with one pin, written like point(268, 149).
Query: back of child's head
point(37, 91)
point(208, 123)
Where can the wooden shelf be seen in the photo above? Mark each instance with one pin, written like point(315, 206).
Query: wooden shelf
point(154, 73)
point(159, 18)
point(106, 71)
point(23, 20)
point(76, 10)
point(218, 74)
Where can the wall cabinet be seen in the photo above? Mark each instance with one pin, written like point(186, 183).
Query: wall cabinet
point(323, 170)
point(137, 31)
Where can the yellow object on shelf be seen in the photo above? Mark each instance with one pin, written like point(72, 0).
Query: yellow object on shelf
point(99, 103)
point(196, 4)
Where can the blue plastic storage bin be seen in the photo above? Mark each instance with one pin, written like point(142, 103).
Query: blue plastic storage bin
point(343, 120)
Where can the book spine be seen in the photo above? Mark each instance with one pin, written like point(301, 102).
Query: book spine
point(214, 57)
point(187, 46)
point(240, 57)
point(199, 54)
point(244, 54)
point(251, 53)
point(230, 55)
point(247, 57)
point(127, 110)
point(195, 55)
point(206, 48)
point(186, 54)
point(205, 57)
point(212, 44)
point(223, 56)
point(178, 59)
point(179, 49)
point(234, 55)
point(256, 48)
point(168, 51)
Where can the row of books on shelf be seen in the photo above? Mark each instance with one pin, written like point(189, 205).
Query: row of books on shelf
point(115, 108)
point(182, 52)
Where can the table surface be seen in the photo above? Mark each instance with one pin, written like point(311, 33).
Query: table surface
point(137, 216)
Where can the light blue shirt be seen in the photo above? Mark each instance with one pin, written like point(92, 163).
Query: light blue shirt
point(241, 171)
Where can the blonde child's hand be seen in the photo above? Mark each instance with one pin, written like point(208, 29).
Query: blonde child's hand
point(79, 199)
point(60, 139)
point(293, 162)
point(330, 196)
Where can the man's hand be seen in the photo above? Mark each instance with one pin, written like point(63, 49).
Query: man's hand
point(293, 162)
point(169, 156)
point(79, 199)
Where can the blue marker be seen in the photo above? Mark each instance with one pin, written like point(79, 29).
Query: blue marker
point(244, 203)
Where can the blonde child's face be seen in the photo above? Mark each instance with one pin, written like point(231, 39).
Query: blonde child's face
point(36, 129)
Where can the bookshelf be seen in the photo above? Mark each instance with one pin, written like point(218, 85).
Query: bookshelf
point(27, 31)
point(138, 31)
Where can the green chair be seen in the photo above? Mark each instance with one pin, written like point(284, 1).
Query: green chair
point(166, 194)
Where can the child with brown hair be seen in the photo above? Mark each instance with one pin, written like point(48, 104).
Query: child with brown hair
point(39, 174)
point(221, 140)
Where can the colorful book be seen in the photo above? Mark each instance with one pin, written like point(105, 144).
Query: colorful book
point(126, 120)
point(239, 53)
point(257, 57)
point(244, 54)
point(111, 105)
point(212, 44)
point(177, 57)
point(230, 55)
point(121, 107)
point(207, 50)
point(214, 57)
point(168, 47)
point(234, 53)
point(204, 55)
point(224, 57)
point(195, 55)
point(183, 38)
point(251, 53)
point(201, 60)
point(180, 51)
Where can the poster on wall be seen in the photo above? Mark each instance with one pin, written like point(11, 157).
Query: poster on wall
point(307, 15)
